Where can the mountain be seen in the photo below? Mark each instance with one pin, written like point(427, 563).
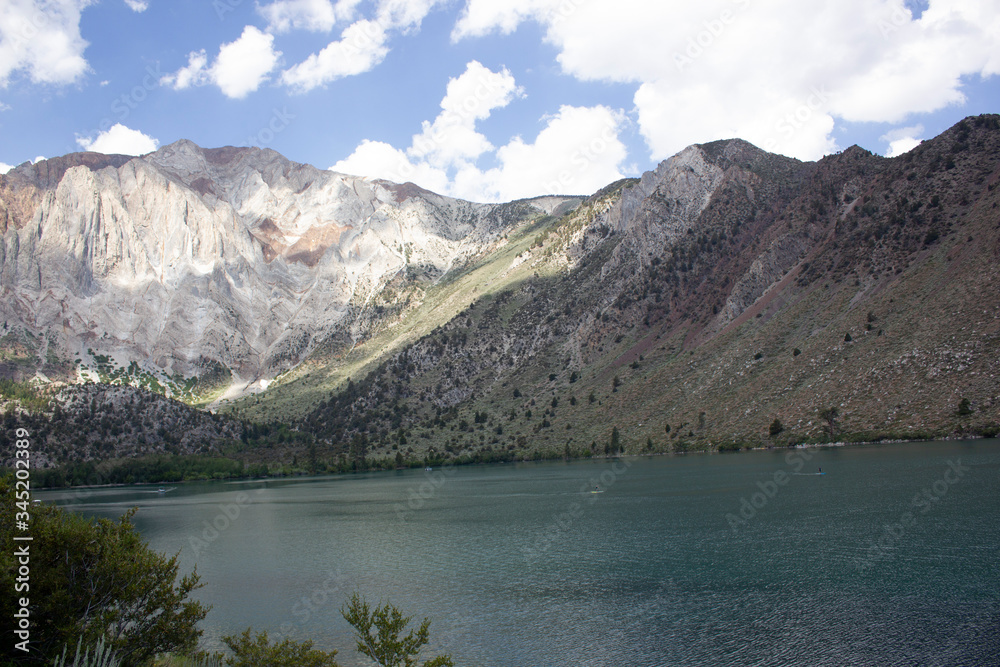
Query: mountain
point(196, 271)
point(729, 298)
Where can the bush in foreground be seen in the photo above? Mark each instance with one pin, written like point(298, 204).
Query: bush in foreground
point(91, 580)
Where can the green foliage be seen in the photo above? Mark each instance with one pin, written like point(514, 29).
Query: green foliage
point(616, 440)
point(24, 394)
point(97, 579)
point(148, 470)
point(258, 651)
point(964, 408)
point(776, 427)
point(378, 635)
point(830, 415)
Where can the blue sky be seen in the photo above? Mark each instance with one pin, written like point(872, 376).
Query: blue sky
point(490, 99)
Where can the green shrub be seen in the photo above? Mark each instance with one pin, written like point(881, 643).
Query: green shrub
point(97, 579)
point(257, 651)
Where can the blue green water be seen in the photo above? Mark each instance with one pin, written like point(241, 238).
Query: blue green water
point(890, 558)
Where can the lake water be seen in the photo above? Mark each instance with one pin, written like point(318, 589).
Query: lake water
point(892, 557)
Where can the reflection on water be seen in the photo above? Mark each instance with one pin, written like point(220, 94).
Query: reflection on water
point(887, 559)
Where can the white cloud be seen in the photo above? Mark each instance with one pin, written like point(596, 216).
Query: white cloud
point(42, 39)
point(472, 96)
point(314, 15)
point(119, 140)
point(378, 159)
point(360, 48)
point(902, 139)
point(577, 150)
point(4, 167)
point(404, 14)
point(239, 69)
point(362, 45)
point(900, 146)
point(194, 74)
point(137, 5)
point(244, 64)
point(737, 68)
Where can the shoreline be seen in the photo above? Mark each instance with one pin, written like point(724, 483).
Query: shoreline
point(451, 464)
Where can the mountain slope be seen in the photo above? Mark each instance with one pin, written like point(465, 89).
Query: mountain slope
point(726, 290)
point(227, 265)
point(728, 298)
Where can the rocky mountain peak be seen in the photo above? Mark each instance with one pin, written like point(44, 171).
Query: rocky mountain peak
point(190, 259)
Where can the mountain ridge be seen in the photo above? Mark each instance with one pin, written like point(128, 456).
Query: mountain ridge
point(186, 246)
point(722, 293)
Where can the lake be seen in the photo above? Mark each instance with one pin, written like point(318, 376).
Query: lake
point(891, 557)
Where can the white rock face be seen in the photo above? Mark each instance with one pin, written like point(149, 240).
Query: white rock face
point(236, 255)
point(662, 206)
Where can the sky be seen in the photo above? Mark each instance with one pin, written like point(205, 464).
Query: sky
point(491, 100)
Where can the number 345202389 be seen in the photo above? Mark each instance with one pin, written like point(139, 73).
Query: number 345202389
point(22, 466)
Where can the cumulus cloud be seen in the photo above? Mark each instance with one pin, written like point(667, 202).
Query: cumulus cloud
point(195, 73)
point(378, 159)
point(239, 69)
point(576, 151)
point(779, 74)
point(470, 97)
point(137, 5)
point(360, 48)
point(119, 139)
point(41, 38)
point(902, 139)
point(313, 15)
point(4, 167)
point(362, 45)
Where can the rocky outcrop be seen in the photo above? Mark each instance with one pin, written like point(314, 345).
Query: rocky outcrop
point(231, 255)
